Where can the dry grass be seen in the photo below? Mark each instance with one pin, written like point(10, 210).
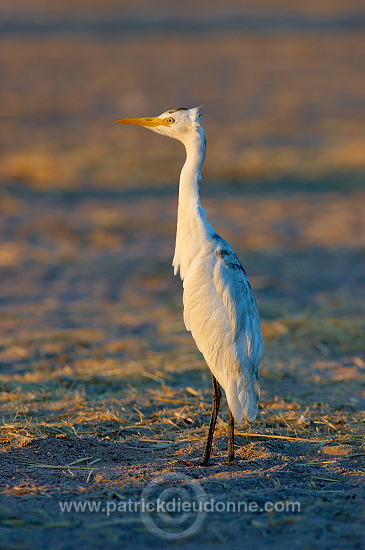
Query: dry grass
point(95, 396)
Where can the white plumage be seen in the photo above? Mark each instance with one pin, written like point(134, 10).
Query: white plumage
point(219, 307)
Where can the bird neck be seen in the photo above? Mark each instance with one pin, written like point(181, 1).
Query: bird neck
point(189, 200)
point(191, 221)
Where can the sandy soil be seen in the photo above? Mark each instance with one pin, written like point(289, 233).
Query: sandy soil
point(105, 399)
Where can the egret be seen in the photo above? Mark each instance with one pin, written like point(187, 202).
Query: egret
point(220, 309)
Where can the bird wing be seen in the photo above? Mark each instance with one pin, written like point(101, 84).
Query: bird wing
point(240, 379)
point(221, 313)
point(233, 287)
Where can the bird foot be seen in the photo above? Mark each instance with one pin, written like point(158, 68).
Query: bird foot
point(230, 459)
point(204, 462)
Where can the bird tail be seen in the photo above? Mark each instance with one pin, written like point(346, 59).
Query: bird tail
point(243, 397)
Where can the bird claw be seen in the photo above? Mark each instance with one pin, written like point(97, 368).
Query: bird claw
point(230, 459)
point(204, 462)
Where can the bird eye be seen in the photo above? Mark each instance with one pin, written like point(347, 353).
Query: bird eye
point(170, 120)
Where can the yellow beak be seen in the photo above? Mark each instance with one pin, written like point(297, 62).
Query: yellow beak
point(148, 121)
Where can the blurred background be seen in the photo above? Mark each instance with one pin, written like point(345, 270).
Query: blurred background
point(88, 207)
point(282, 84)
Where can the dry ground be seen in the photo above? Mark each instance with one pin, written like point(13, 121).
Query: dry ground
point(96, 365)
point(102, 388)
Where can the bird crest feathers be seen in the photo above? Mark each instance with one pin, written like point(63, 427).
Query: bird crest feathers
point(195, 114)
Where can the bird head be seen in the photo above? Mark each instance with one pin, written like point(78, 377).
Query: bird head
point(178, 123)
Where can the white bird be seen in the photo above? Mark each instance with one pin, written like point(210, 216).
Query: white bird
point(219, 307)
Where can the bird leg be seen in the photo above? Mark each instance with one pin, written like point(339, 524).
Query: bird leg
point(230, 455)
point(217, 394)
